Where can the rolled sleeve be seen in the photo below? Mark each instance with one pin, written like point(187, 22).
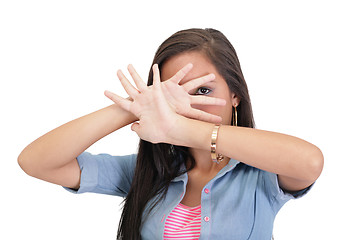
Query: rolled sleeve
point(280, 197)
point(105, 174)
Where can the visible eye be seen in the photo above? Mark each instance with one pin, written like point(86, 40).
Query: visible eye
point(203, 91)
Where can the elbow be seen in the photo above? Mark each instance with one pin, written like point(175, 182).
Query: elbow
point(25, 164)
point(22, 162)
point(315, 164)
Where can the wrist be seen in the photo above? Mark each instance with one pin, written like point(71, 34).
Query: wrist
point(191, 133)
point(120, 116)
point(174, 134)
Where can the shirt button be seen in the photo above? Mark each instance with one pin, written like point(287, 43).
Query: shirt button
point(206, 219)
point(206, 190)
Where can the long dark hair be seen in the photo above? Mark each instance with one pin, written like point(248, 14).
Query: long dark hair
point(158, 164)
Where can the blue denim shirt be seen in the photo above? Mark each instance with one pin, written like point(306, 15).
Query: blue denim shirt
point(240, 202)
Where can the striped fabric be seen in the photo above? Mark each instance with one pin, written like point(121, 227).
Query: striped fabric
point(183, 223)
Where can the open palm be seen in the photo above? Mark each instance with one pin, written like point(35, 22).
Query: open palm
point(178, 96)
point(158, 107)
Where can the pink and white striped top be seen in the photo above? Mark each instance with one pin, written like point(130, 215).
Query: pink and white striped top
point(183, 223)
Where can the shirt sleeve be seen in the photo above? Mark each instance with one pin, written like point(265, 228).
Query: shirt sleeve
point(105, 174)
point(278, 196)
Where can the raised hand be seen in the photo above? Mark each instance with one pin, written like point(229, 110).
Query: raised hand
point(160, 106)
point(156, 117)
point(178, 96)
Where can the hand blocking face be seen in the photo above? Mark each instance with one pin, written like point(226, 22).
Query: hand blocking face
point(159, 106)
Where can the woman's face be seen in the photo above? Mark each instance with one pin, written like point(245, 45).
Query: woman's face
point(216, 88)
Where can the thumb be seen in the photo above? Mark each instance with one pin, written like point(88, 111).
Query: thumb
point(135, 127)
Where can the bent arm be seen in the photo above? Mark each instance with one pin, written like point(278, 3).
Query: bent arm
point(52, 157)
point(297, 163)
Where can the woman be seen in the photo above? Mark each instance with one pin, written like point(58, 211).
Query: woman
point(202, 170)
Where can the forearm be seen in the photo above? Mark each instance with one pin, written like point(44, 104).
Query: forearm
point(274, 152)
point(270, 151)
point(61, 145)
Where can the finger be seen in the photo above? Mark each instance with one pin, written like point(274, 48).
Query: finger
point(204, 100)
point(203, 116)
point(137, 79)
point(156, 77)
point(122, 102)
point(181, 73)
point(129, 88)
point(197, 82)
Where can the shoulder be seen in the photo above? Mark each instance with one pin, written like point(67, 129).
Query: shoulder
point(105, 173)
point(107, 164)
point(104, 158)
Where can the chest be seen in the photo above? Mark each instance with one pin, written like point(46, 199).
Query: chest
point(194, 188)
point(232, 207)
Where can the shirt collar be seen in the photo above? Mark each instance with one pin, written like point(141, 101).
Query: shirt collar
point(182, 177)
point(230, 166)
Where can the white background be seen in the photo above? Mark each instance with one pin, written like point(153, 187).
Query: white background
point(300, 59)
